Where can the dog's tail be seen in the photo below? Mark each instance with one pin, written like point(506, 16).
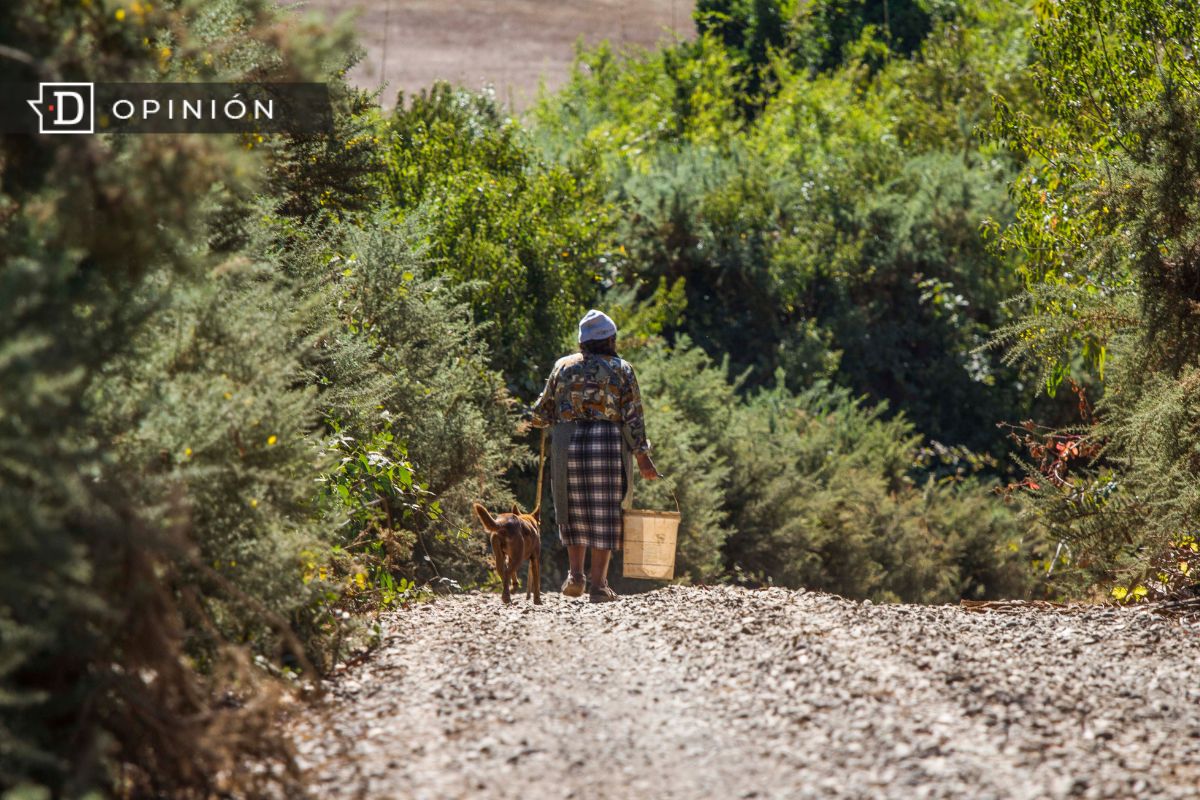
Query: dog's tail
point(488, 521)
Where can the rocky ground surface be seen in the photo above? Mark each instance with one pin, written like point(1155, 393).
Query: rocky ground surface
point(730, 693)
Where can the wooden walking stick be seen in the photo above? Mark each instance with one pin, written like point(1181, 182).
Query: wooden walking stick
point(537, 508)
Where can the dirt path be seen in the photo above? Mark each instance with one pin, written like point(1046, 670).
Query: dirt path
point(728, 693)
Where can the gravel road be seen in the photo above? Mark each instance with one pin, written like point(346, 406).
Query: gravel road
point(731, 693)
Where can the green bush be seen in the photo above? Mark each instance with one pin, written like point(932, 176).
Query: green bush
point(825, 495)
point(687, 399)
point(836, 232)
point(206, 406)
point(525, 241)
point(406, 362)
point(1107, 222)
point(152, 523)
point(815, 489)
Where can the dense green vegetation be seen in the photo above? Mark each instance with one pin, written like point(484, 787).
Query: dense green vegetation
point(248, 387)
point(1107, 225)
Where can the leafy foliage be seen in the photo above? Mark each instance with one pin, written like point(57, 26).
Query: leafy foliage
point(525, 239)
point(248, 388)
point(826, 495)
point(409, 389)
point(828, 31)
point(1106, 219)
point(836, 234)
point(817, 490)
point(148, 519)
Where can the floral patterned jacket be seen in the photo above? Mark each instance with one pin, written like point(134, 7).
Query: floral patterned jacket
point(593, 387)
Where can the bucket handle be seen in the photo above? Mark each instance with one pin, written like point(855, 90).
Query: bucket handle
point(678, 510)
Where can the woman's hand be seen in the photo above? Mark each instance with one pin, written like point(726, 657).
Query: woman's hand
point(646, 467)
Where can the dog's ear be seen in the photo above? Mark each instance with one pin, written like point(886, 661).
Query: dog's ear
point(489, 523)
point(537, 516)
point(516, 512)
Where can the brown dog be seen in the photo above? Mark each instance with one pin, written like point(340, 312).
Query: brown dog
point(515, 537)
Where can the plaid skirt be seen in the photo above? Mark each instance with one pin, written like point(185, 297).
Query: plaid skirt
point(595, 486)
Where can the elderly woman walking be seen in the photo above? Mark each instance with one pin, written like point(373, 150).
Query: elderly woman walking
point(593, 408)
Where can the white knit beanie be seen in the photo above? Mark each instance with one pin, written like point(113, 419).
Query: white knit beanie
point(596, 326)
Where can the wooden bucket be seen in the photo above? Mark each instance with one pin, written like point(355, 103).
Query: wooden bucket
point(649, 548)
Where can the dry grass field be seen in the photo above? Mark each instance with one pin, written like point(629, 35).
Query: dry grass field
point(512, 45)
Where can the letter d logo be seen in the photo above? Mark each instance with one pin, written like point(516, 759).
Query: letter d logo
point(65, 108)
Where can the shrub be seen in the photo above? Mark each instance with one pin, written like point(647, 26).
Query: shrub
point(688, 401)
point(834, 231)
point(406, 363)
point(816, 489)
point(151, 523)
point(525, 241)
point(824, 494)
point(1107, 223)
